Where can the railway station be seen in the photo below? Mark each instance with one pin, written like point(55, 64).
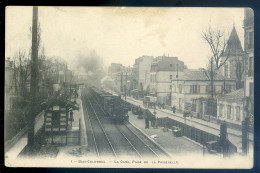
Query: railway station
point(91, 103)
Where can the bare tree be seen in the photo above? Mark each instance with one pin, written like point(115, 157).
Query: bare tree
point(216, 39)
point(21, 72)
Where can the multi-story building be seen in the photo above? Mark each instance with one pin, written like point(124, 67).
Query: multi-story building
point(192, 85)
point(249, 58)
point(141, 72)
point(163, 71)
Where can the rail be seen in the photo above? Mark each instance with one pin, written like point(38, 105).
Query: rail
point(133, 133)
point(102, 128)
point(119, 130)
point(94, 139)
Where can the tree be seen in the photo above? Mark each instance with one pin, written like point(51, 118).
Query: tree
point(21, 73)
point(216, 40)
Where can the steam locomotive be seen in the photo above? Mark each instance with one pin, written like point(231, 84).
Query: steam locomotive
point(113, 105)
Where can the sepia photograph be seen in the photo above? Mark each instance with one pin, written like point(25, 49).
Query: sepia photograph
point(129, 87)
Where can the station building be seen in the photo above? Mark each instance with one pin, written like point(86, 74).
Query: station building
point(192, 87)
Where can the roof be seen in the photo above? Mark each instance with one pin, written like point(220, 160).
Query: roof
point(60, 102)
point(233, 44)
point(237, 94)
point(198, 75)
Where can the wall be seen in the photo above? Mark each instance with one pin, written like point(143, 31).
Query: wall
point(233, 105)
point(144, 68)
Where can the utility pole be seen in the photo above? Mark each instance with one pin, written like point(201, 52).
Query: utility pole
point(34, 77)
point(245, 136)
point(223, 140)
point(121, 86)
point(125, 85)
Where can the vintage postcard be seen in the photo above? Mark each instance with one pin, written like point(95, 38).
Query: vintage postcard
point(129, 87)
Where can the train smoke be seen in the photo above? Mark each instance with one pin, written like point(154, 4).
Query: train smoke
point(90, 64)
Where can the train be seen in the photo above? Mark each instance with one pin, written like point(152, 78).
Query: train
point(113, 106)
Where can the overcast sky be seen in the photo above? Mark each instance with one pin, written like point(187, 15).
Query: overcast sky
point(121, 34)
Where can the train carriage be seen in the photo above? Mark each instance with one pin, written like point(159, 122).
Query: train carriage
point(113, 105)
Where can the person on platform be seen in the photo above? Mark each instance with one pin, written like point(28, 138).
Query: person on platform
point(173, 109)
point(153, 119)
point(147, 118)
point(140, 113)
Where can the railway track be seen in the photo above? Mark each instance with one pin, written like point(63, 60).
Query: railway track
point(139, 143)
point(102, 143)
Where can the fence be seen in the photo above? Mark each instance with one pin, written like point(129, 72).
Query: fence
point(193, 133)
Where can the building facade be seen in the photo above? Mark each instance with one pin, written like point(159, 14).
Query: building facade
point(249, 67)
point(234, 107)
point(230, 107)
point(141, 72)
point(163, 71)
point(192, 85)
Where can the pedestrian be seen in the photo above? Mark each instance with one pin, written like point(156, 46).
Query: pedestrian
point(146, 117)
point(153, 118)
point(173, 109)
point(140, 113)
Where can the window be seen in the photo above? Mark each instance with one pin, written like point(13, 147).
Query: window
point(238, 113)
point(207, 88)
point(170, 87)
point(170, 65)
point(232, 112)
point(251, 66)
point(180, 88)
point(170, 76)
point(221, 110)
point(228, 88)
point(239, 70)
point(250, 40)
point(194, 89)
point(229, 112)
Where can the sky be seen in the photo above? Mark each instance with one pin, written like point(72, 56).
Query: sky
point(121, 34)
